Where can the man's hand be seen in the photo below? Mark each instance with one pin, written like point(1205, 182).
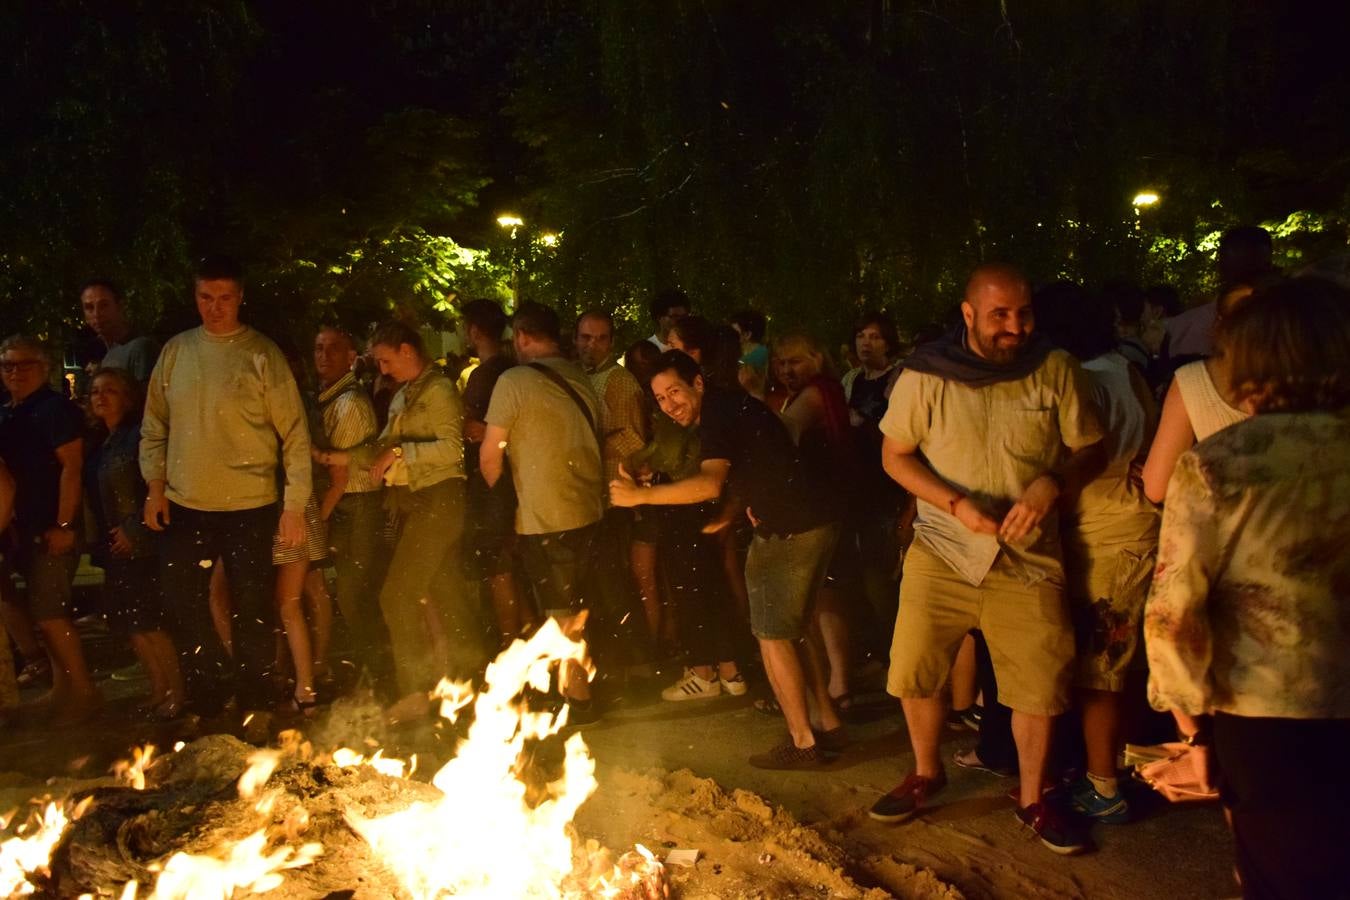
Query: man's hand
point(971, 516)
point(474, 430)
point(156, 508)
point(382, 464)
point(1037, 500)
point(59, 540)
point(118, 543)
point(291, 528)
point(624, 491)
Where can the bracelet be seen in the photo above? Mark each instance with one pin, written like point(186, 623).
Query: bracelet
point(1200, 738)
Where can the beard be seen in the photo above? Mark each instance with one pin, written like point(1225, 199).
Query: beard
point(1000, 347)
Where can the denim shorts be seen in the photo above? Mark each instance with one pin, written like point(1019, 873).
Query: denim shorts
point(782, 576)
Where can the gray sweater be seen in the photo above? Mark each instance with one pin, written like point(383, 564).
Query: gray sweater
point(217, 411)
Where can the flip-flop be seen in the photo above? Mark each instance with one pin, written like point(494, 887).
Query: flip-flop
point(969, 759)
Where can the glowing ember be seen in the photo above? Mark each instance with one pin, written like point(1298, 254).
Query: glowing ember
point(30, 850)
point(132, 772)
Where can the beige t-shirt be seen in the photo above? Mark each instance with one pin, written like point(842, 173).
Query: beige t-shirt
point(990, 443)
point(1112, 509)
point(555, 458)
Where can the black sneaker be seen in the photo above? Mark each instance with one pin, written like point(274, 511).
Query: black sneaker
point(787, 756)
point(1055, 832)
point(907, 799)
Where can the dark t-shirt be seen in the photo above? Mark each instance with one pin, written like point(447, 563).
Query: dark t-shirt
point(478, 389)
point(868, 399)
point(765, 470)
point(477, 395)
point(29, 435)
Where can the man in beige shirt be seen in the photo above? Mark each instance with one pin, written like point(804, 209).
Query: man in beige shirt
point(222, 414)
point(984, 427)
point(615, 627)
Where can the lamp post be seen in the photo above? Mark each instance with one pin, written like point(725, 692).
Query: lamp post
point(513, 222)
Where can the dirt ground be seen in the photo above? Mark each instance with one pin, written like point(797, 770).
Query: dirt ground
point(968, 846)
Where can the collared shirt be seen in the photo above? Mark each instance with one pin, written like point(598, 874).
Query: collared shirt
point(426, 419)
point(348, 422)
point(1247, 614)
point(660, 344)
point(621, 413)
point(990, 443)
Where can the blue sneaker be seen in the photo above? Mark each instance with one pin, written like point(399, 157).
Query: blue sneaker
point(1085, 799)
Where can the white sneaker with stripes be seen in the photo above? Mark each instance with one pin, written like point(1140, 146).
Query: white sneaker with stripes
point(691, 687)
point(735, 686)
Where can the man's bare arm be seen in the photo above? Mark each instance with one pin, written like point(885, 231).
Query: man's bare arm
point(492, 454)
point(906, 468)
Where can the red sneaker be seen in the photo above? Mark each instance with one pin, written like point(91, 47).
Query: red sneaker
point(907, 799)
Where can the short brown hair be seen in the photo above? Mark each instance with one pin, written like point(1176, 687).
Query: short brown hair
point(1287, 347)
point(395, 334)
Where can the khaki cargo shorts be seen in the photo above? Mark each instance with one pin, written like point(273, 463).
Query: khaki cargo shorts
point(1027, 628)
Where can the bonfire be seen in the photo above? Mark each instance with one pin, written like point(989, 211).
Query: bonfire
point(494, 827)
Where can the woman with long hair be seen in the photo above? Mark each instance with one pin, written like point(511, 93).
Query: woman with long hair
point(1246, 624)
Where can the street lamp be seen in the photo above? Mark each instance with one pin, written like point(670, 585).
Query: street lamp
point(548, 239)
point(1141, 199)
point(513, 221)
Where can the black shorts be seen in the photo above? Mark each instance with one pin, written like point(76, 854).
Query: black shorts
point(647, 524)
point(560, 567)
point(490, 528)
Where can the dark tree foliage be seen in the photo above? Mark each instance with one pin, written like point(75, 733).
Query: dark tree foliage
point(808, 159)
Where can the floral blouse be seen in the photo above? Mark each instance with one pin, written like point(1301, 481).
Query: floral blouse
point(1249, 612)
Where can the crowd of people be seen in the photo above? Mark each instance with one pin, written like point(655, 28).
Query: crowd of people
point(1001, 497)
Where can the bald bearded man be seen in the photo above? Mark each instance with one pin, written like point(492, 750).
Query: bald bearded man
point(985, 427)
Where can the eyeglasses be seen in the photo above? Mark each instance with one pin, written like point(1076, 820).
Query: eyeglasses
point(18, 365)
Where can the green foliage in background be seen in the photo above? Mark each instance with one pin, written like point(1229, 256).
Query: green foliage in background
point(812, 160)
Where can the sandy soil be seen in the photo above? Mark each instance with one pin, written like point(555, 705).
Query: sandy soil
point(676, 774)
point(747, 847)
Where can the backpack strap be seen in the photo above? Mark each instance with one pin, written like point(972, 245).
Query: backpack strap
point(561, 382)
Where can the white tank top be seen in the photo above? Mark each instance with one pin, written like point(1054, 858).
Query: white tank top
point(1205, 406)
